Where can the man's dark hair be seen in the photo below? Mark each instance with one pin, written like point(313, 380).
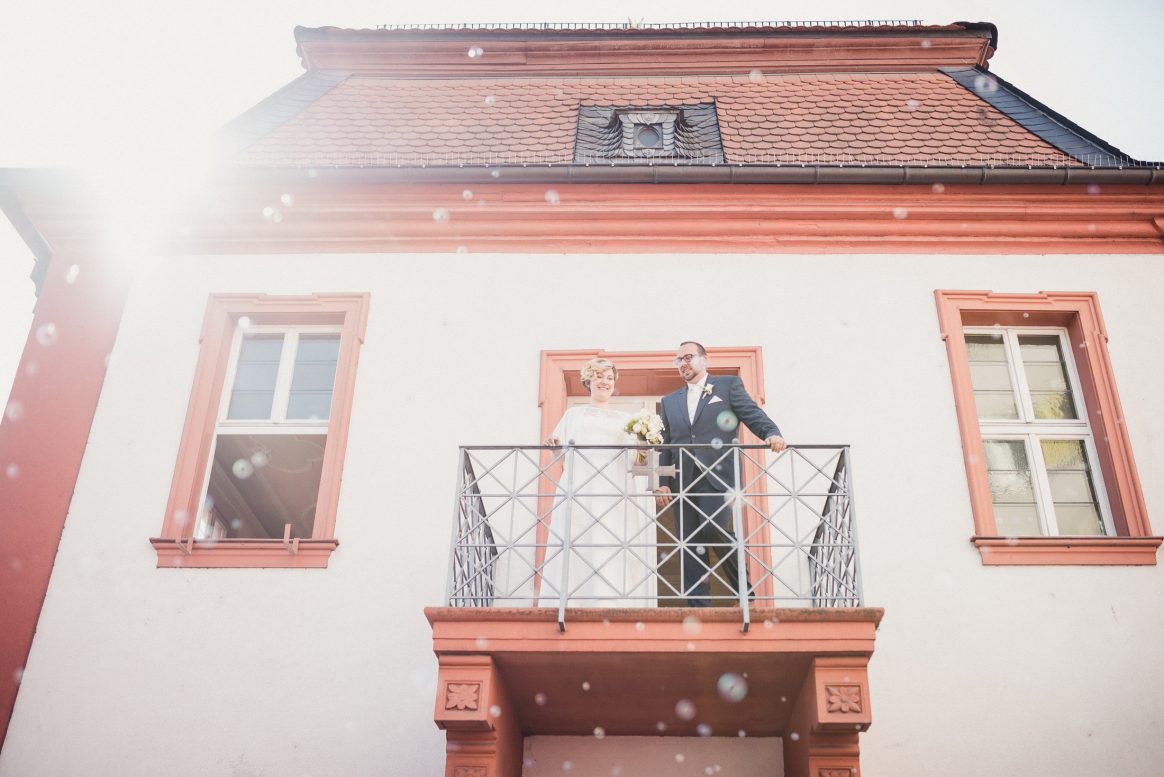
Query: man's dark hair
point(698, 347)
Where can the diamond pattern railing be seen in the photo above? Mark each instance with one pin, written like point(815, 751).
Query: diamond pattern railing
point(579, 526)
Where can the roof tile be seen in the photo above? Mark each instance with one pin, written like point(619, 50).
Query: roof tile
point(905, 118)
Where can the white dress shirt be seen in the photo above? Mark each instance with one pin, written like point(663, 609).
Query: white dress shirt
point(694, 392)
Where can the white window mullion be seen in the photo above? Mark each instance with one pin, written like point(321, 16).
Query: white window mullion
point(1019, 376)
point(283, 379)
point(1042, 484)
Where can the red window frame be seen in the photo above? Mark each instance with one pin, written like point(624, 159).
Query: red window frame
point(176, 547)
point(1079, 314)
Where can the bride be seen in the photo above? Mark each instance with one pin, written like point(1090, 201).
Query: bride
point(612, 555)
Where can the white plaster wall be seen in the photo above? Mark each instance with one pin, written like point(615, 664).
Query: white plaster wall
point(330, 673)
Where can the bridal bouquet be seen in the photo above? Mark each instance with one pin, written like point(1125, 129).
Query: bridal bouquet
point(646, 426)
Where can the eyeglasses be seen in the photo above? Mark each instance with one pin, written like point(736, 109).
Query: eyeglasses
point(685, 358)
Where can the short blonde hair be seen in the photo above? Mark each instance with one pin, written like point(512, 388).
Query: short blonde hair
point(595, 366)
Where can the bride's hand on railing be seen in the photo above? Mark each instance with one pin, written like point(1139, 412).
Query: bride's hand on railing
point(551, 440)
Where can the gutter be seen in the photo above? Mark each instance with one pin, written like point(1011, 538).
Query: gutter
point(722, 174)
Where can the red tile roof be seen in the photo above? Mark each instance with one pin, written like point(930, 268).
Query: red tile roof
point(917, 118)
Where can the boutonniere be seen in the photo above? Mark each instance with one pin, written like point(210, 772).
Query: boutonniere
point(707, 389)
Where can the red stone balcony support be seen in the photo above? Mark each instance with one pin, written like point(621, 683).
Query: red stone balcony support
point(830, 712)
point(483, 733)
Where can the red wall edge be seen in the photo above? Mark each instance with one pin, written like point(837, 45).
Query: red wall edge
point(43, 438)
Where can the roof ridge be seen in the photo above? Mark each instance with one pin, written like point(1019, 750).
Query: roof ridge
point(640, 25)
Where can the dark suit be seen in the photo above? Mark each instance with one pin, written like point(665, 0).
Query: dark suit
point(705, 474)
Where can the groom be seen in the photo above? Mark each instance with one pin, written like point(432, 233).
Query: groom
point(704, 411)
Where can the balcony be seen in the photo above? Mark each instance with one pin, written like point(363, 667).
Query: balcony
point(570, 591)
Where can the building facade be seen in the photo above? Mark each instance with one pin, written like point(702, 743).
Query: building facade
point(247, 436)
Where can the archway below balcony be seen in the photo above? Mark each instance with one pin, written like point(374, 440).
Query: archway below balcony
point(653, 373)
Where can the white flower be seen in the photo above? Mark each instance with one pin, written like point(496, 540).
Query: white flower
point(707, 389)
point(646, 426)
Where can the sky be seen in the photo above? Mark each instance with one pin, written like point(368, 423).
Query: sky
point(144, 83)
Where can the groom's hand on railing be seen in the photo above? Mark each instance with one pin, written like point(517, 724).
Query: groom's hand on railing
point(663, 497)
point(776, 443)
point(551, 440)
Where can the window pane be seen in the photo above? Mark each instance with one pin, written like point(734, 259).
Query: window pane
point(990, 377)
point(1064, 454)
point(1011, 488)
point(314, 377)
point(1017, 520)
point(259, 483)
point(1053, 405)
point(1040, 348)
point(995, 405)
point(1079, 519)
point(1047, 376)
point(1072, 488)
point(985, 348)
point(254, 381)
point(993, 391)
point(1006, 455)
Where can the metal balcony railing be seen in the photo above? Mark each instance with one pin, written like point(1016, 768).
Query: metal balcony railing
point(579, 526)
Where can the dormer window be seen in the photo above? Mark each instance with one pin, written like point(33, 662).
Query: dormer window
point(648, 136)
point(681, 134)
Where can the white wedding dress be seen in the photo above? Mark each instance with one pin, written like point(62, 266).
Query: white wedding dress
point(612, 556)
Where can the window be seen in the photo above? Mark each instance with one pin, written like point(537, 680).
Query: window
point(1048, 458)
point(681, 134)
point(257, 480)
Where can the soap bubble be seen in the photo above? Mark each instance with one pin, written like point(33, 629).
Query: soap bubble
point(287, 199)
point(14, 411)
point(732, 687)
point(552, 196)
point(938, 188)
point(490, 99)
point(599, 732)
point(984, 84)
point(692, 624)
point(440, 215)
point(900, 213)
point(467, 194)
point(727, 421)
point(684, 709)
point(475, 52)
point(585, 686)
point(46, 334)
point(242, 469)
point(703, 730)
point(72, 273)
point(12, 472)
point(540, 699)
point(756, 75)
point(495, 711)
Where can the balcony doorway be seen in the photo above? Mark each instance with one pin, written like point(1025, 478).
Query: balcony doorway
point(644, 377)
